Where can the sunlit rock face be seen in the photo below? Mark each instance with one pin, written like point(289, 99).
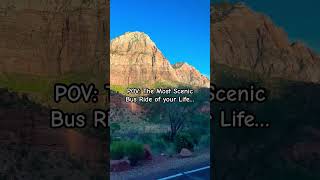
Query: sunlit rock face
point(135, 59)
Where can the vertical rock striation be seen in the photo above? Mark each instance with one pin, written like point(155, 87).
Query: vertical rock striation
point(135, 59)
point(52, 37)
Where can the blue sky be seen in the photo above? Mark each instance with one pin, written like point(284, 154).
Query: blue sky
point(180, 29)
point(300, 19)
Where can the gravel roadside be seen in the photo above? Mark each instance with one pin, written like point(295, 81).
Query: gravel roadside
point(160, 164)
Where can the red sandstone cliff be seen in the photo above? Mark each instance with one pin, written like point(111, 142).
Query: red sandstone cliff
point(52, 37)
point(135, 59)
point(244, 39)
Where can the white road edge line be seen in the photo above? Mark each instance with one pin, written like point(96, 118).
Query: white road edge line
point(187, 172)
point(170, 177)
point(196, 170)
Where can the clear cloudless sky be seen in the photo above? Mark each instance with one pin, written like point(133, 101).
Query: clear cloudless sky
point(180, 28)
point(299, 18)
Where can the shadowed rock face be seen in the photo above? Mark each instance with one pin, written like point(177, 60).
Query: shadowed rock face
point(135, 59)
point(24, 122)
point(245, 40)
point(242, 38)
point(51, 37)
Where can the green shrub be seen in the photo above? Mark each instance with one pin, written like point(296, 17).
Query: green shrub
point(133, 150)
point(170, 149)
point(159, 144)
point(147, 138)
point(166, 137)
point(184, 140)
point(195, 136)
point(117, 150)
point(204, 141)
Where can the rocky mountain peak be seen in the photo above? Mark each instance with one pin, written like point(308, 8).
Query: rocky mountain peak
point(133, 42)
point(136, 36)
point(188, 73)
point(247, 40)
point(136, 58)
point(182, 65)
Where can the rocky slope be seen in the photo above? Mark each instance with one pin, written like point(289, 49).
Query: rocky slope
point(242, 38)
point(188, 73)
point(25, 137)
point(135, 59)
point(52, 37)
point(49, 41)
point(244, 45)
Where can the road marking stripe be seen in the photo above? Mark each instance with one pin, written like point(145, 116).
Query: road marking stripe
point(196, 170)
point(170, 177)
point(183, 173)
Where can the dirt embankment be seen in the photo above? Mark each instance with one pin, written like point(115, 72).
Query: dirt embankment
point(22, 122)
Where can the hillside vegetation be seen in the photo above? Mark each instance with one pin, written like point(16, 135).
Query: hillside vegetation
point(288, 149)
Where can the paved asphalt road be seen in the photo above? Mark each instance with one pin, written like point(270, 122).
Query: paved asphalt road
point(199, 171)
